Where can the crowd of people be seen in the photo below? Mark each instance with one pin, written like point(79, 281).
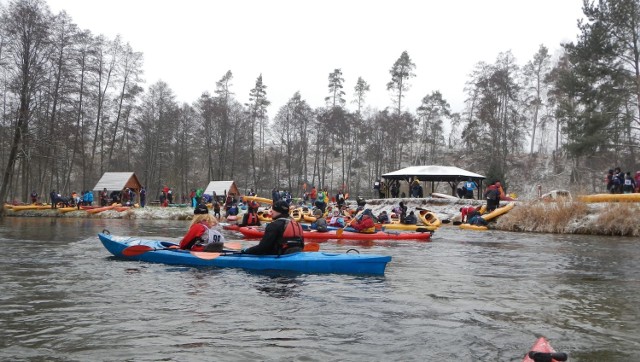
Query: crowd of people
point(619, 182)
point(85, 198)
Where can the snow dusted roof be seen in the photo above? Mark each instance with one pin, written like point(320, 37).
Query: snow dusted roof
point(117, 181)
point(221, 188)
point(433, 173)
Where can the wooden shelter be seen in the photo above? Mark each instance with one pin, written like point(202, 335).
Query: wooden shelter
point(450, 174)
point(222, 189)
point(118, 181)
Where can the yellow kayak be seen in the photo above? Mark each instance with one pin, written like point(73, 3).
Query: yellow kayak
point(27, 207)
point(264, 216)
point(67, 209)
point(429, 218)
point(263, 200)
point(296, 214)
point(610, 198)
point(473, 227)
point(408, 227)
point(499, 211)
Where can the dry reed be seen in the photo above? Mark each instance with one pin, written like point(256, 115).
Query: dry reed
point(573, 218)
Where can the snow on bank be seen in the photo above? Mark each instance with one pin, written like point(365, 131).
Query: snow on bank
point(528, 216)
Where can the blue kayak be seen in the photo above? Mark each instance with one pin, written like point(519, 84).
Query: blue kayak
point(305, 262)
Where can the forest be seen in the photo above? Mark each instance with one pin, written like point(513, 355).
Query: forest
point(74, 106)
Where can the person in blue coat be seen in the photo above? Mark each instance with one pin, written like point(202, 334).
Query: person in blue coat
point(469, 188)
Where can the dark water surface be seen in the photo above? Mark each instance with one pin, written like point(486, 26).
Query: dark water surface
point(466, 296)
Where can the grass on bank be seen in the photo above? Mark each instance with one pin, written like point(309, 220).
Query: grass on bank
point(570, 217)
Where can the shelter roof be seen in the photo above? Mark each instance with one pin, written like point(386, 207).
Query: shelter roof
point(433, 173)
point(221, 188)
point(116, 181)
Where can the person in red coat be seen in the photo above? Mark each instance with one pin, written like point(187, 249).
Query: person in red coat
point(363, 224)
point(466, 211)
point(201, 235)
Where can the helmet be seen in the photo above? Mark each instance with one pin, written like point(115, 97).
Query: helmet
point(281, 206)
point(200, 209)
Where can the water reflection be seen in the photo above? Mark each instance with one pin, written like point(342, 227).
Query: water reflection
point(278, 286)
point(465, 296)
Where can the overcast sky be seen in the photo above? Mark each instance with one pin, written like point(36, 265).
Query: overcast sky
point(295, 44)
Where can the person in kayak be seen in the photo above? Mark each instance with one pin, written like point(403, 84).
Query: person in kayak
point(401, 211)
point(321, 223)
point(410, 219)
point(383, 218)
point(363, 224)
point(336, 219)
point(201, 235)
point(282, 236)
point(250, 218)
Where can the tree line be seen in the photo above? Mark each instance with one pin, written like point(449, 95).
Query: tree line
point(74, 106)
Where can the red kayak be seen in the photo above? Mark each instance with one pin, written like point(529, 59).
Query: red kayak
point(251, 232)
point(543, 352)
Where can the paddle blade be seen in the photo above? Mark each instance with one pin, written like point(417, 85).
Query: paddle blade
point(311, 246)
point(545, 356)
point(339, 232)
point(136, 250)
point(233, 246)
point(205, 255)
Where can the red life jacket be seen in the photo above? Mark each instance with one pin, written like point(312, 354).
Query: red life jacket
point(252, 219)
point(292, 236)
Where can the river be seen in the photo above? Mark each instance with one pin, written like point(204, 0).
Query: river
point(466, 296)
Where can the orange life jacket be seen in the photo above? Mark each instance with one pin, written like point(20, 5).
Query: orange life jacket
point(292, 236)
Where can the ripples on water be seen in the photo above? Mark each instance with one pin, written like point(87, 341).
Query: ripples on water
point(467, 296)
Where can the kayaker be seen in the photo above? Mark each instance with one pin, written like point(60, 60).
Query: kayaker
point(282, 236)
point(466, 211)
point(401, 211)
point(492, 195)
point(364, 224)
point(383, 218)
point(201, 235)
point(320, 224)
point(410, 219)
point(250, 218)
point(336, 219)
point(476, 219)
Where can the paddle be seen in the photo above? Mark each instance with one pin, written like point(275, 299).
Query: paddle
point(135, 250)
point(311, 246)
point(205, 255)
point(548, 357)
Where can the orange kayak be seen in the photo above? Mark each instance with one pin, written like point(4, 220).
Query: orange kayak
point(100, 209)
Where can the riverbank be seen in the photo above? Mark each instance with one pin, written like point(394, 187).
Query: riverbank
point(559, 217)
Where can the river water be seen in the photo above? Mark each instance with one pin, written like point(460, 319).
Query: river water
point(466, 296)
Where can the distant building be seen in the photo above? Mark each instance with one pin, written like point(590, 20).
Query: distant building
point(118, 181)
point(222, 188)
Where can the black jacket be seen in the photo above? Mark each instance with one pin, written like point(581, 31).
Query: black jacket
point(272, 238)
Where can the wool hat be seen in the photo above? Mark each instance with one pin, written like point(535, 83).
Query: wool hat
point(200, 209)
point(281, 207)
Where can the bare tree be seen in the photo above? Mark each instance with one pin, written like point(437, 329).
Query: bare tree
point(26, 25)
